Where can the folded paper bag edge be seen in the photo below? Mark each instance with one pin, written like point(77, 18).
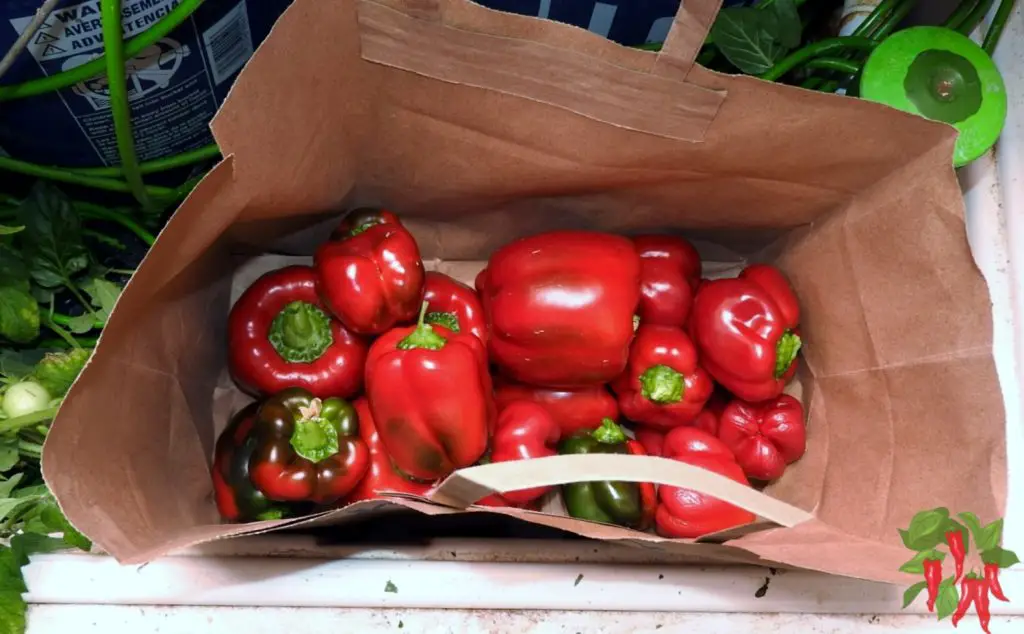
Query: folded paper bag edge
point(635, 100)
point(466, 486)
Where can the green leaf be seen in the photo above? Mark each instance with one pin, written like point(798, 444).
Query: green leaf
point(912, 592)
point(1000, 556)
point(782, 20)
point(25, 545)
point(103, 294)
point(945, 603)
point(926, 529)
point(6, 486)
point(13, 271)
point(19, 314)
point(8, 452)
point(53, 236)
point(974, 525)
point(916, 564)
point(10, 231)
point(741, 36)
point(10, 506)
point(12, 585)
point(81, 324)
point(18, 364)
point(55, 521)
point(990, 536)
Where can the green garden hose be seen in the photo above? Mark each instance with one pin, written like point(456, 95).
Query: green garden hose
point(157, 165)
point(117, 83)
point(116, 53)
point(818, 49)
point(86, 71)
point(995, 30)
point(974, 18)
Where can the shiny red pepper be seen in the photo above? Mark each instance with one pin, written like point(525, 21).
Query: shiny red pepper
point(307, 449)
point(382, 475)
point(560, 306)
point(238, 500)
point(431, 395)
point(686, 513)
point(524, 431)
point(279, 337)
point(453, 305)
point(662, 385)
point(669, 274)
point(766, 436)
point(573, 409)
point(690, 441)
point(709, 418)
point(746, 330)
point(370, 273)
point(651, 439)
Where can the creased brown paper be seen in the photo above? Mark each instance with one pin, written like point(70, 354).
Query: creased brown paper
point(856, 202)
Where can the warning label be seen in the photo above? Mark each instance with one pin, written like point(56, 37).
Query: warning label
point(78, 28)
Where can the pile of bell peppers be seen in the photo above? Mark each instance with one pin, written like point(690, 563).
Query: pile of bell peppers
point(372, 376)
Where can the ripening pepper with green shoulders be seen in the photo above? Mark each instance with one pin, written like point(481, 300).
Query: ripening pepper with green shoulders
point(238, 500)
point(306, 449)
point(628, 504)
point(430, 393)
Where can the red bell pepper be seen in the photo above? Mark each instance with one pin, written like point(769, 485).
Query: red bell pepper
point(370, 273)
point(662, 386)
point(382, 475)
point(430, 392)
point(766, 436)
point(279, 337)
point(690, 441)
point(453, 305)
point(746, 331)
point(524, 431)
point(307, 449)
point(669, 273)
point(238, 500)
point(573, 409)
point(559, 307)
point(710, 417)
point(687, 513)
point(651, 439)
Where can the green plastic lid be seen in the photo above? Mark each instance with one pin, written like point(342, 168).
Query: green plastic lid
point(942, 75)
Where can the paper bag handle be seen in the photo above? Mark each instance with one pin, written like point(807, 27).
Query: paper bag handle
point(459, 42)
point(466, 486)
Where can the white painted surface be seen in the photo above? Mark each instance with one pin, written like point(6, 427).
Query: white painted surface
point(48, 619)
point(468, 575)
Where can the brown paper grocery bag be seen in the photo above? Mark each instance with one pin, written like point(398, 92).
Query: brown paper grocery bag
point(478, 127)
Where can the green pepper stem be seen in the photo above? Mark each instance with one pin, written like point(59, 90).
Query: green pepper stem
point(662, 385)
point(423, 336)
point(445, 320)
point(785, 352)
point(301, 332)
point(315, 437)
point(609, 433)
